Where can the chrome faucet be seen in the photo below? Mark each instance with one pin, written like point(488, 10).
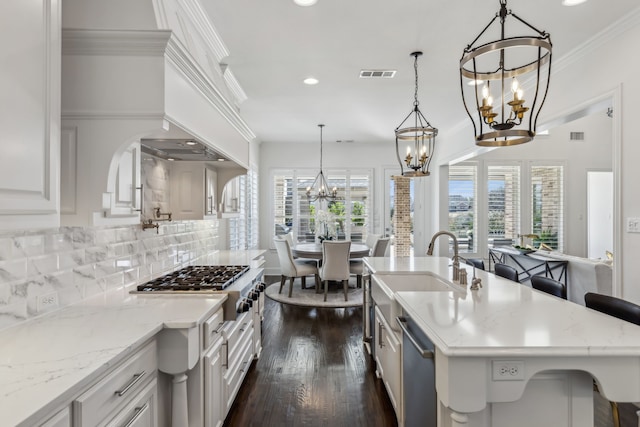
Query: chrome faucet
point(456, 256)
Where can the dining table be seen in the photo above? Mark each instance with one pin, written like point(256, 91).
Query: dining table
point(314, 250)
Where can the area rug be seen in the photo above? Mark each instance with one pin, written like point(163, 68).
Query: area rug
point(309, 298)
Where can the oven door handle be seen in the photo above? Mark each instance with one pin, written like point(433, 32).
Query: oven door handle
point(424, 352)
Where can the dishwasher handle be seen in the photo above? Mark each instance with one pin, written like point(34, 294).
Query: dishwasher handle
point(424, 352)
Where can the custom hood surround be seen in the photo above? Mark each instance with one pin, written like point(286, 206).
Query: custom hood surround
point(124, 86)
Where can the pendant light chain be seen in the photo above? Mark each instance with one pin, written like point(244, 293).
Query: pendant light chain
point(415, 70)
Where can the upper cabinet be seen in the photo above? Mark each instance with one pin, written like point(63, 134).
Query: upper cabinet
point(30, 111)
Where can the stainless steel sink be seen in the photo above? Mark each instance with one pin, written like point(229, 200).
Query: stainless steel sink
point(384, 287)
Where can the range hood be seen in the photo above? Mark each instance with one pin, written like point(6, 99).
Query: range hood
point(180, 150)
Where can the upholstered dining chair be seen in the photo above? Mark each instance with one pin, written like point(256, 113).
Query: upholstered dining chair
point(356, 266)
point(371, 240)
point(291, 268)
point(549, 285)
point(506, 271)
point(616, 307)
point(476, 262)
point(335, 264)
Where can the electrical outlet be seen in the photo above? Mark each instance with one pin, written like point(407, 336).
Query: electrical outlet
point(47, 302)
point(633, 225)
point(508, 370)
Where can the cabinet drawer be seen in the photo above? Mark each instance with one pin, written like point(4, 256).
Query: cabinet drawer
point(213, 329)
point(234, 376)
point(236, 330)
point(119, 387)
point(141, 412)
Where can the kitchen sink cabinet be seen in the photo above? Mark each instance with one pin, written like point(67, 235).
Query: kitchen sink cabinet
point(388, 357)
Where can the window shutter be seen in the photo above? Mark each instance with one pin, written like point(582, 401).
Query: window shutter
point(503, 199)
point(463, 211)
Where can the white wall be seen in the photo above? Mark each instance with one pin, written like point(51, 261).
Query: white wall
point(594, 71)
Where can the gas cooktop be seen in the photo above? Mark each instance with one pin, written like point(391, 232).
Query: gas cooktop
point(196, 278)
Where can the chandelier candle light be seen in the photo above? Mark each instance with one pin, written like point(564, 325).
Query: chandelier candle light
point(496, 66)
point(320, 183)
point(419, 133)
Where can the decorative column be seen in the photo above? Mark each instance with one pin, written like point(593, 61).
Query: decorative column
point(402, 215)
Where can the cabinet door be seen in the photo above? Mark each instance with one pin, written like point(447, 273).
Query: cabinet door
point(214, 413)
point(388, 359)
point(125, 199)
point(211, 186)
point(30, 111)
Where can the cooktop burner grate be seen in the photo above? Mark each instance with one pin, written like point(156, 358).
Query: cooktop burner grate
point(196, 278)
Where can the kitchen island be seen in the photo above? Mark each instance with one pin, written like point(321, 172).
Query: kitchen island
point(551, 349)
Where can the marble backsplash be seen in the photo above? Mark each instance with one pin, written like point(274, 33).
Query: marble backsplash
point(44, 270)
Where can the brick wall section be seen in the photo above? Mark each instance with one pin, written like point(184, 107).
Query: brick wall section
point(402, 216)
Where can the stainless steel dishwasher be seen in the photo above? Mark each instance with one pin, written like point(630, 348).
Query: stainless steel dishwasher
point(418, 376)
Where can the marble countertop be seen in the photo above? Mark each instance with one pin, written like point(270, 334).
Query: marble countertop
point(505, 318)
point(42, 359)
point(248, 257)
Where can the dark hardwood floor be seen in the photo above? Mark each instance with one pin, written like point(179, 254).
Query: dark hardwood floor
point(315, 371)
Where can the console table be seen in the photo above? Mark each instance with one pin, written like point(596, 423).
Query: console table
point(529, 264)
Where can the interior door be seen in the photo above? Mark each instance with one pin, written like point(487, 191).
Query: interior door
point(599, 213)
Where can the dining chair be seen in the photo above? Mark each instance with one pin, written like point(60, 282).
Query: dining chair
point(356, 266)
point(371, 240)
point(291, 268)
point(506, 271)
point(549, 285)
point(476, 262)
point(616, 307)
point(335, 264)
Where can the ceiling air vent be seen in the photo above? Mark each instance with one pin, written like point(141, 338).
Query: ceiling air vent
point(377, 74)
point(576, 136)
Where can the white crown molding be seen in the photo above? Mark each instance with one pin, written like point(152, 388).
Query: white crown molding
point(112, 115)
point(621, 26)
point(233, 85)
point(114, 42)
point(193, 73)
point(205, 27)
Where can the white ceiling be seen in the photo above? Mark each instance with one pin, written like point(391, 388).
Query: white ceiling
point(275, 44)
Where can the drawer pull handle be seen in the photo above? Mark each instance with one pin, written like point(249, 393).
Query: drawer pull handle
point(217, 330)
point(136, 378)
point(244, 365)
point(244, 326)
point(139, 412)
point(226, 358)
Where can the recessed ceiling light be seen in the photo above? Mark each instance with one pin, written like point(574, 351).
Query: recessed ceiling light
point(191, 143)
point(572, 2)
point(171, 159)
point(305, 2)
point(221, 160)
point(311, 81)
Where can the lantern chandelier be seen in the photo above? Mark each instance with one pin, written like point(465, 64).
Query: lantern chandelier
point(489, 72)
point(419, 134)
point(320, 186)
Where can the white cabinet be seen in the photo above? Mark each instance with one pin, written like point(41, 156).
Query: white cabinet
point(30, 108)
point(192, 190)
point(61, 419)
point(210, 190)
point(214, 410)
point(127, 393)
point(230, 204)
point(239, 350)
point(388, 358)
point(125, 198)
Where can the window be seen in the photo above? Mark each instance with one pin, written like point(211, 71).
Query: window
point(503, 200)
point(292, 211)
point(462, 205)
point(547, 201)
point(514, 199)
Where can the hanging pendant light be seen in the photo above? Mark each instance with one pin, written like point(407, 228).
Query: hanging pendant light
point(492, 76)
point(415, 137)
point(319, 190)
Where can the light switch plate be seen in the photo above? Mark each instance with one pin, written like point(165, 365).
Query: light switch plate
point(633, 225)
